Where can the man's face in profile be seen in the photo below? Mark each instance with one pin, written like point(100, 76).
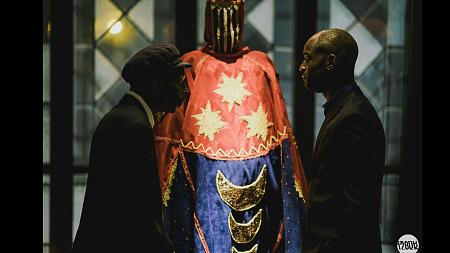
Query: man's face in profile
point(312, 68)
point(172, 89)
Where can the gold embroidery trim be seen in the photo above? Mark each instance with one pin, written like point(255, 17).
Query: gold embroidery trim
point(166, 194)
point(231, 154)
point(225, 32)
point(241, 198)
point(218, 25)
point(244, 232)
point(254, 249)
point(298, 188)
point(231, 29)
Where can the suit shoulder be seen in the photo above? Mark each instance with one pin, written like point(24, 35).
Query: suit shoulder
point(124, 116)
point(360, 113)
point(362, 105)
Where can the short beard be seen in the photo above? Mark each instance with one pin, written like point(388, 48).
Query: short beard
point(315, 88)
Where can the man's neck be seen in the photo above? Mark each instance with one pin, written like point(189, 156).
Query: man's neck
point(335, 87)
point(145, 105)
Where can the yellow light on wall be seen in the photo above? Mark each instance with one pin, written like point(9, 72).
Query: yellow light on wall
point(115, 28)
point(49, 27)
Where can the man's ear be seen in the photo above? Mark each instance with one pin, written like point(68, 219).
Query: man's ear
point(331, 62)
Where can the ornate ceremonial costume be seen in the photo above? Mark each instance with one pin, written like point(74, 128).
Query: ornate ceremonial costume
point(231, 176)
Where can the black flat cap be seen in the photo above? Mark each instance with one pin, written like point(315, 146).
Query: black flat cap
point(157, 59)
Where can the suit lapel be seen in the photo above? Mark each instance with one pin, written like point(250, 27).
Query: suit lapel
point(340, 103)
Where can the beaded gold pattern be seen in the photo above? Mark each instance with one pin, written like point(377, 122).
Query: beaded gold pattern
point(241, 198)
point(166, 194)
point(254, 249)
point(244, 232)
point(299, 190)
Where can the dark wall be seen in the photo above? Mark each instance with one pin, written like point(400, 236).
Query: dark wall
point(410, 195)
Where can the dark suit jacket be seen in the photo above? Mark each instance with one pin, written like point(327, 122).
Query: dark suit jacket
point(342, 211)
point(122, 204)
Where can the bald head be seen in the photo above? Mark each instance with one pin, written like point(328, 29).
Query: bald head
point(329, 60)
point(340, 43)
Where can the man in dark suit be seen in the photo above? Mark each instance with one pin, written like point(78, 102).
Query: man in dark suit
point(342, 208)
point(122, 205)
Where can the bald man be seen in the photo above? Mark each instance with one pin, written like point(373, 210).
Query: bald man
point(345, 175)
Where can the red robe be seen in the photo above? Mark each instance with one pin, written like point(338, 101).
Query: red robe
point(181, 131)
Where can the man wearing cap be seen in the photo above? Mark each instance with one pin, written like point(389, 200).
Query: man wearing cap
point(122, 205)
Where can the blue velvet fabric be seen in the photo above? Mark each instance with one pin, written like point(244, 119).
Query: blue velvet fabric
point(280, 198)
point(292, 205)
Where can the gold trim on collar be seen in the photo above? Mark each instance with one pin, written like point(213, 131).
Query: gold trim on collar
point(244, 232)
point(254, 249)
point(241, 198)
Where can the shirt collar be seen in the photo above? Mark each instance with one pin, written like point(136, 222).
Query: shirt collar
point(342, 92)
point(147, 109)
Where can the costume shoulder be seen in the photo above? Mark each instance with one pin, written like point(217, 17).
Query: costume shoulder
point(262, 60)
point(194, 57)
point(260, 57)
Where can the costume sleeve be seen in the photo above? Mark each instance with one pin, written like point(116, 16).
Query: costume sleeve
point(297, 166)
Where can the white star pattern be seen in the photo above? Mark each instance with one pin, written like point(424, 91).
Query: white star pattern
point(232, 90)
point(257, 123)
point(209, 122)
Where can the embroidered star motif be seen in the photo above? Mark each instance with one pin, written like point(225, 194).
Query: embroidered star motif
point(232, 90)
point(210, 122)
point(257, 123)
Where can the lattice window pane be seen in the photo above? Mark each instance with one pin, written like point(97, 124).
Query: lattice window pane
point(106, 14)
point(79, 189)
point(142, 14)
point(121, 42)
